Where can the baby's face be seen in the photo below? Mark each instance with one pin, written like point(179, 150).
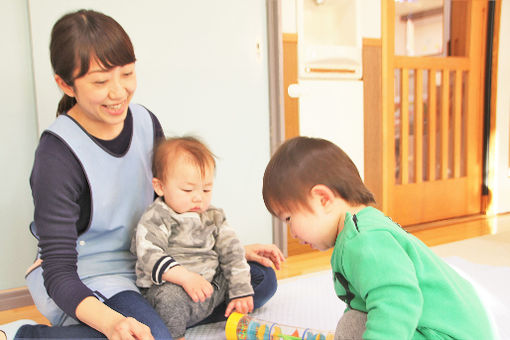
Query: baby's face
point(185, 188)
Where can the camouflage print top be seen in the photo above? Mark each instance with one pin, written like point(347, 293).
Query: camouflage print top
point(203, 243)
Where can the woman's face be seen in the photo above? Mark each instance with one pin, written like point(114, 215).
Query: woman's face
point(102, 98)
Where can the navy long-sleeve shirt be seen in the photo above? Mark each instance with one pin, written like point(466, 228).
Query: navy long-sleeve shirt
point(62, 204)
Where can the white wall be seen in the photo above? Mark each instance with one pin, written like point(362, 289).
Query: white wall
point(500, 184)
point(333, 110)
point(371, 18)
point(428, 36)
point(420, 37)
point(18, 138)
point(289, 16)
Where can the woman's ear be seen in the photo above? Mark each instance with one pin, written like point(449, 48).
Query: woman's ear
point(323, 195)
point(158, 186)
point(65, 87)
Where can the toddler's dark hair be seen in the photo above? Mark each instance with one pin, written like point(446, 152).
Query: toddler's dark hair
point(303, 162)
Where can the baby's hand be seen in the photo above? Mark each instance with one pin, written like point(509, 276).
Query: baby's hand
point(241, 305)
point(198, 288)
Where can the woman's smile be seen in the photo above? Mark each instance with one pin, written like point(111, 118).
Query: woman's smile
point(116, 109)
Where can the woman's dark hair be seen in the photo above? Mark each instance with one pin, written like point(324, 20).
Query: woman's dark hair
point(79, 36)
point(301, 163)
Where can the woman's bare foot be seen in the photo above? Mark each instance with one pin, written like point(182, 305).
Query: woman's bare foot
point(34, 265)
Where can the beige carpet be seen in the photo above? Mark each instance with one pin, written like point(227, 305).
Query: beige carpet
point(490, 249)
point(485, 262)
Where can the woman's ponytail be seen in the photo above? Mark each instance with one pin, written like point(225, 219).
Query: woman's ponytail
point(65, 104)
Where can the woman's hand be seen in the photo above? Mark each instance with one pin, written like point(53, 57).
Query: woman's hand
point(111, 323)
point(128, 329)
point(241, 305)
point(266, 254)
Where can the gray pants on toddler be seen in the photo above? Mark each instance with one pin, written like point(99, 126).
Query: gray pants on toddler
point(351, 326)
point(178, 310)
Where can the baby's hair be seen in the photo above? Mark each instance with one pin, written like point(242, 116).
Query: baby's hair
point(171, 147)
point(303, 162)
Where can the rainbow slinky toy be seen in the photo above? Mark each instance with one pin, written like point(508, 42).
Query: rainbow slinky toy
point(243, 327)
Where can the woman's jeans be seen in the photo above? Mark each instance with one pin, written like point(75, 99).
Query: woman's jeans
point(128, 303)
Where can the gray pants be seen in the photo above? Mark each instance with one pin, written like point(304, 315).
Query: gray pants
point(178, 310)
point(351, 326)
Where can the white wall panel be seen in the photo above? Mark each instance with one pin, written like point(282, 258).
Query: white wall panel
point(333, 110)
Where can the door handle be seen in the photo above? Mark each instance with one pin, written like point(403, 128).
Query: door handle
point(294, 90)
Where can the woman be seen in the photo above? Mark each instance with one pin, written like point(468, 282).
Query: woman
point(90, 182)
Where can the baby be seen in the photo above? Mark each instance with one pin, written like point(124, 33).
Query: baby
point(189, 260)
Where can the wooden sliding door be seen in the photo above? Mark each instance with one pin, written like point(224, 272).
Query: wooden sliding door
point(432, 122)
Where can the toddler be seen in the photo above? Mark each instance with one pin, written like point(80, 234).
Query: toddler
point(394, 286)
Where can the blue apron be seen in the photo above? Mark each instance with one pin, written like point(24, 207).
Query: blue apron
point(120, 190)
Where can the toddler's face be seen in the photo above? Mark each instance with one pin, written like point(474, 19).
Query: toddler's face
point(185, 189)
point(315, 227)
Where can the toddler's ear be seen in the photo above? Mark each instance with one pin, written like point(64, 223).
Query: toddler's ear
point(322, 194)
point(158, 186)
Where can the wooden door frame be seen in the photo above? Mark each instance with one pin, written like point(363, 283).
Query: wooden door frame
point(387, 97)
point(372, 118)
point(387, 134)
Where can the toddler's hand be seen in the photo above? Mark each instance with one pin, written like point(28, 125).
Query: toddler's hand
point(198, 288)
point(241, 305)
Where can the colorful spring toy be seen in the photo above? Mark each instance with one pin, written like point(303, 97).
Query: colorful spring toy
point(243, 327)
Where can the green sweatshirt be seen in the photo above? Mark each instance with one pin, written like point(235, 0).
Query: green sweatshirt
point(407, 290)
